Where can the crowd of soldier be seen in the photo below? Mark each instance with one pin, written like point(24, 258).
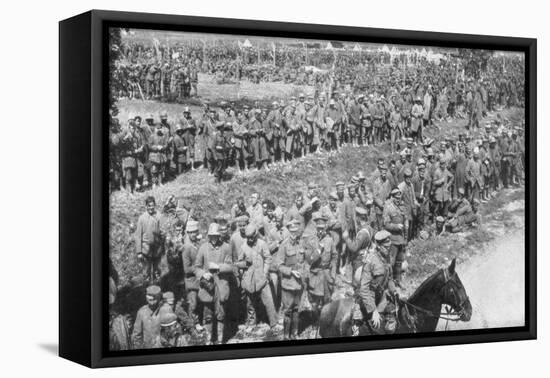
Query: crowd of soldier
point(148, 154)
point(262, 259)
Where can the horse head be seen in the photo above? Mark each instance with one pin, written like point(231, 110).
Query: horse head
point(453, 293)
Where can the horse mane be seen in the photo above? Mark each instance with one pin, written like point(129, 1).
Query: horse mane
point(427, 284)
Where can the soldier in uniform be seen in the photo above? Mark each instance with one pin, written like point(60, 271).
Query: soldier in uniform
point(149, 240)
point(292, 269)
point(219, 152)
point(461, 213)
point(474, 176)
point(214, 270)
point(173, 281)
point(158, 145)
point(131, 147)
point(397, 224)
point(189, 131)
point(378, 121)
point(442, 180)
point(374, 303)
point(322, 258)
point(189, 256)
point(409, 202)
point(333, 121)
point(495, 157)
point(381, 191)
point(147, 324)
point(255, 261)
point(417, 113)
point(275, 119)
point(422, 189)
point(358, 245)
point(180, 149)
point(170, 334)
point(355, 110)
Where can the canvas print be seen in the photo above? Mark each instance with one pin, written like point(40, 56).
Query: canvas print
point(268, 189)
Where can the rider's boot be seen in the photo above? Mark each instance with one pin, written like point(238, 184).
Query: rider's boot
point(295, 324)
point(286, 326)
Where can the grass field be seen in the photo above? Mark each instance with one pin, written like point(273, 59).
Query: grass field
point(197, 190)
point(244, 92)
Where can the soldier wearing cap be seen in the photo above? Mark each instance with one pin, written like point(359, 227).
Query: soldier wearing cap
point(495, 158)
point(275, 233)
point(275, 119)
point(255, 211)
point(189, 256)
point(474, 176)
point(461, 160)
point(355, 112)
point(174, 279)
point(381, 189)
point(158, 147)
point(294, 213)
point(322, 258)
point(417, 113)
point(254, 125)
point(442, 181)
point(170, 334)
point(214, 271)
point(293, 271)
point(220, 149)
point(409, 202)
point(291, 125)
point(168, 152)
point(207, 132)
point(358, 244)
point(147, 324)
point(131, 148)
point(394, 123)
point(396, 223)
point(172, 313)
point(149, 240)
point(422, 186)
point(180, 149)
point(240, 138)
point(189, 126)
point(374, 303)
point(255, 261)
point(404, 164)
point(223, 219)
point(333, 120)
point(461, 214)
point(379, 119)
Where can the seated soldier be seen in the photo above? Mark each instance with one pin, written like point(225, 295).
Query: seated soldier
point(374, 305)
point(465, 216)
point(461, 213)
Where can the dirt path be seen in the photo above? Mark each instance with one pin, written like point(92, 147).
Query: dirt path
point(495, 283)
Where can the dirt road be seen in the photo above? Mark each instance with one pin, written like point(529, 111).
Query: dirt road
point(495, 283)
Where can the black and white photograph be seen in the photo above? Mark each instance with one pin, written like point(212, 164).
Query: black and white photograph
point(269, 189)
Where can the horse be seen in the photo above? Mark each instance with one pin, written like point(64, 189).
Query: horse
point(420, 313)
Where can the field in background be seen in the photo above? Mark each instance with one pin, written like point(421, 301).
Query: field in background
point(209, 90)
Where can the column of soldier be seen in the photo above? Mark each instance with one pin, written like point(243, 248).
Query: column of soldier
point(149, 154)
point(263, 262)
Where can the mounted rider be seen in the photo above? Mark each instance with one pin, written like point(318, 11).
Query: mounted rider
point(374, 305)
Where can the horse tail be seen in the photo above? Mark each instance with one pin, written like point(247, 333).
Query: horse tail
point(327, 328)
point(335, 318)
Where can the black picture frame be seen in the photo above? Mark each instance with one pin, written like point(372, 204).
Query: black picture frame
point(83, 196)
